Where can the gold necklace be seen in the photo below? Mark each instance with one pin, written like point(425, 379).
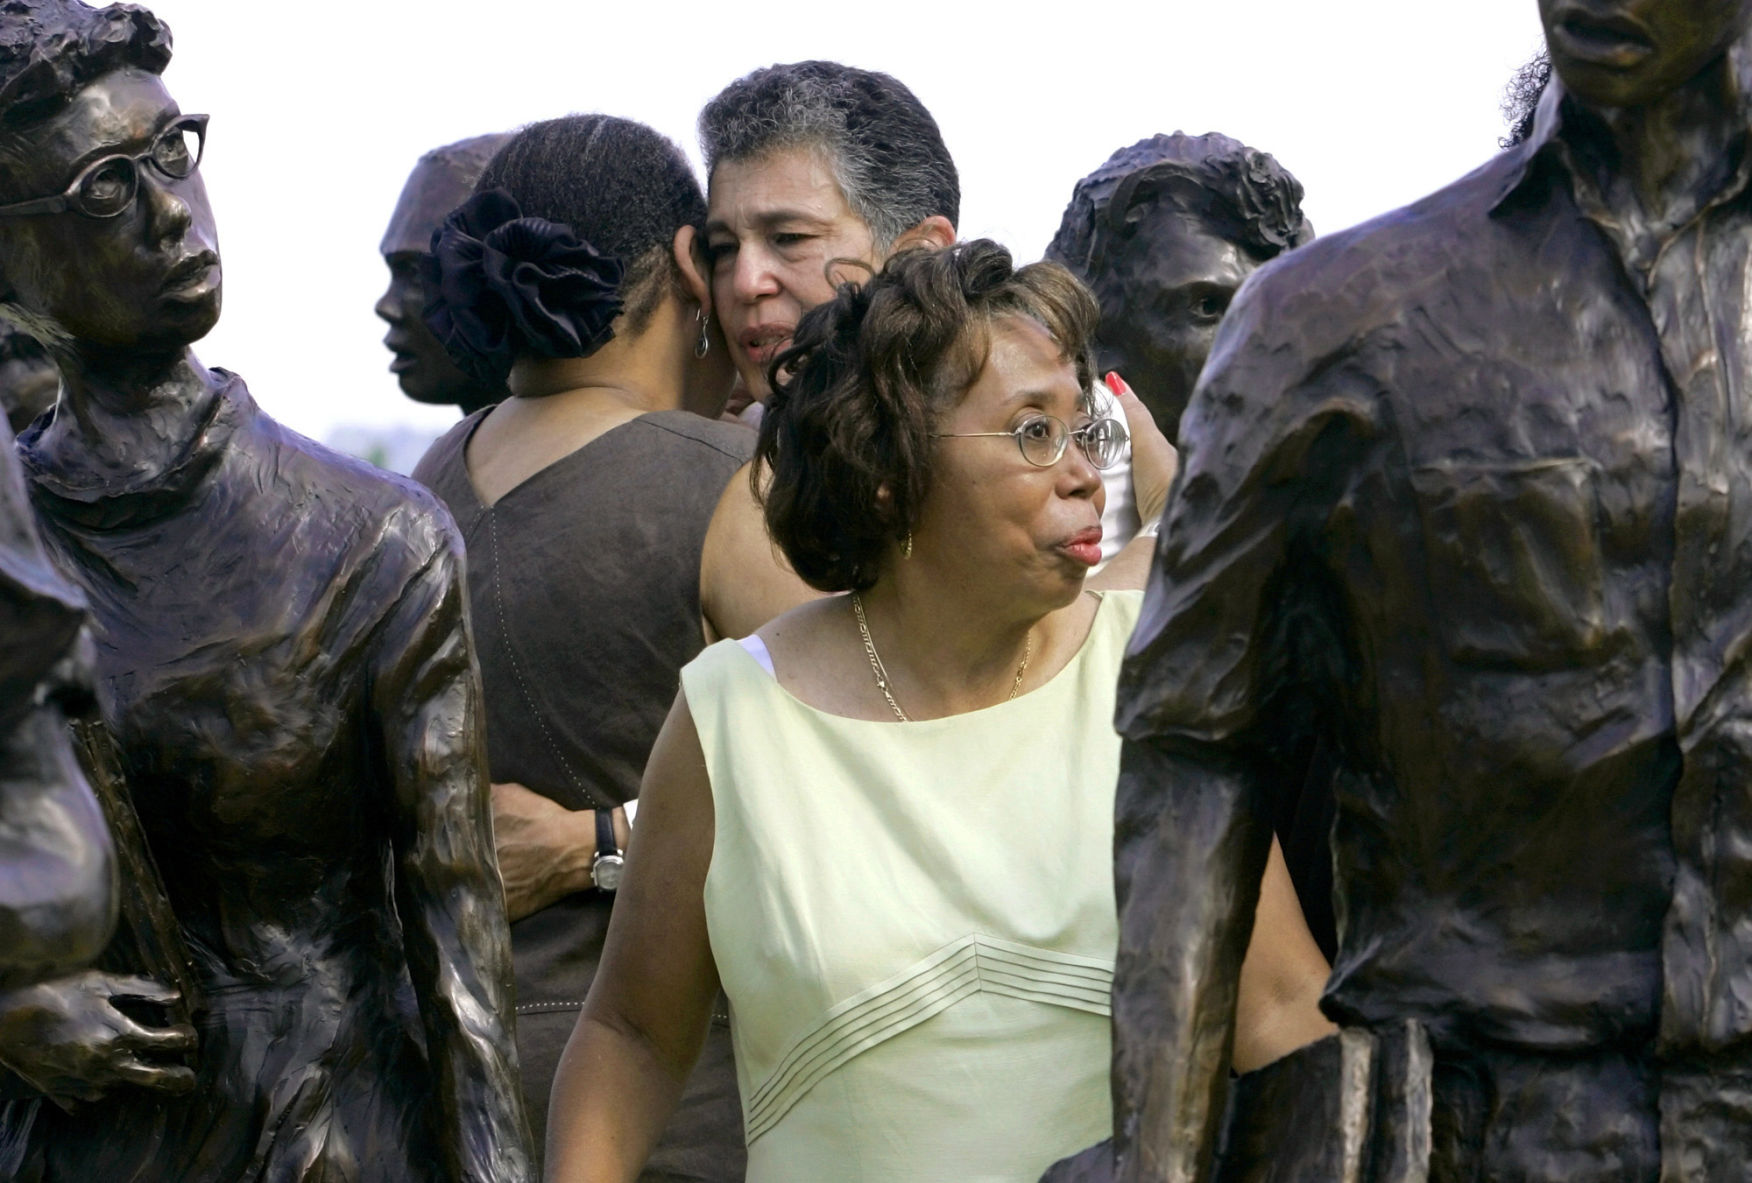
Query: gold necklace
point(877, 669)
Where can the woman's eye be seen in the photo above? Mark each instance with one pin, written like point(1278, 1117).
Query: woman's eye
point(1036, 429)
point(791, 239)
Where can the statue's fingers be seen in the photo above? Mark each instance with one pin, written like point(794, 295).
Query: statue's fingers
point(144, 989)
point(173, 1078)
point(177, 1038)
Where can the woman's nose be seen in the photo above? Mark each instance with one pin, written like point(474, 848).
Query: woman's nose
point(1078, 472)
point(753, 278)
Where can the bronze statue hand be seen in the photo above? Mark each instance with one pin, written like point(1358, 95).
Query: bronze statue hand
point(67, 1039)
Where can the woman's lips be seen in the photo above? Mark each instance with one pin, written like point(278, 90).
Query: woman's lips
point(1084, 546)
point(764, 342)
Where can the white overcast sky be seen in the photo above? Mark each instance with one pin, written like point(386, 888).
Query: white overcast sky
point(320, 108)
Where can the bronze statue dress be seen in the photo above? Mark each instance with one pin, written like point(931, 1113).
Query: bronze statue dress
point(289, 678)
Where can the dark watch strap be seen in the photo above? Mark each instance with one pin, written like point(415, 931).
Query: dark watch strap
point(605, 843)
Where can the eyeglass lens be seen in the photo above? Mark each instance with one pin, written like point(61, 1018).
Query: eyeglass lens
point(109, 186)
point(1043, 439)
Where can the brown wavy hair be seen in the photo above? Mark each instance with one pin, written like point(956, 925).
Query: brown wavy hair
point(846, 438)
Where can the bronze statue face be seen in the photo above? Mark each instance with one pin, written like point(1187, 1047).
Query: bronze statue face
point(425, 371)
point(145, 280)
point(1627, 53)
point(1162, 296)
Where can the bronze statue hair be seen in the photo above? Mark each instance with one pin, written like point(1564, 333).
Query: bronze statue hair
point(50, 49)
point(1249, 197)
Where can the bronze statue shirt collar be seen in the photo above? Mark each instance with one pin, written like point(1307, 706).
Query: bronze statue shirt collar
point(1561, 141)
point(67, 493)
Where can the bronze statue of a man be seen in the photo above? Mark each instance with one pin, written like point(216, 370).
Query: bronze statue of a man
point(1465, 496)
point(443, 179)
point(284, 667)
point(1165, 233)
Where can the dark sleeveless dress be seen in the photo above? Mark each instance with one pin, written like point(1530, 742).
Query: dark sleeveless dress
point(584, 589)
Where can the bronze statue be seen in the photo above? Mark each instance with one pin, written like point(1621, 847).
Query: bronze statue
point(28, 379)
point(57, 870)
point(441, 181)
point(287, 676)
point(1164, 233)
point(1464, 495)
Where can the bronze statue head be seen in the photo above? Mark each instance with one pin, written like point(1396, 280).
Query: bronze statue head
point(107, 243)
point(1164, 233)
point(441, 181)
point(1628, 53)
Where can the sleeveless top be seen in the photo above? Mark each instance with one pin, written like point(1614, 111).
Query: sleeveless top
point(915, 922)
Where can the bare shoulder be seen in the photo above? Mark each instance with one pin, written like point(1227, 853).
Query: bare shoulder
point(809, 634)
point(744, 579)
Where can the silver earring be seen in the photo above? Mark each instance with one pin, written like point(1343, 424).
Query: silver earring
point(704, 345)
point(906, 547)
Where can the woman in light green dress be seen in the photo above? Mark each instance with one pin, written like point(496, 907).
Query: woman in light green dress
point(885, 822)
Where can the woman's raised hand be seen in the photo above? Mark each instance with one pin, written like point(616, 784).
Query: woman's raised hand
point(1154, 460)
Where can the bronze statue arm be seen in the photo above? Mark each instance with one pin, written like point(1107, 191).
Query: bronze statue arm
point(1190, 828)
point(427, 698)
point(1272, 440)
point(57, 866)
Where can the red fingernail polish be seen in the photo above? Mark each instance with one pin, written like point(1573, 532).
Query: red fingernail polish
point(1114, 382)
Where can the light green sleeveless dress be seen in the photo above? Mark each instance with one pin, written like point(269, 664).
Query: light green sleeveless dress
point(915, 923)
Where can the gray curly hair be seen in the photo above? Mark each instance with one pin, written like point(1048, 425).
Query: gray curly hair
point(886, 151)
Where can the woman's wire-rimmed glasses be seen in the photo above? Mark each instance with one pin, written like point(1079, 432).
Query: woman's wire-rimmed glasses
point(1043, 439)
point(108, 186)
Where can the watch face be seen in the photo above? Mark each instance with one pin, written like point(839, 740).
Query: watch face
point(606, 870)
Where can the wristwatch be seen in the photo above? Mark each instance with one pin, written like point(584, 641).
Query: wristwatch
point(605, 868)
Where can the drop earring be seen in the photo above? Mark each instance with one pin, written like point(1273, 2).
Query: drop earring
point(906, 546)
point(704, 345)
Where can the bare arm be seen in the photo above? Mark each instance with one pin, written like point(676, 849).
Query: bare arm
point(744, 580)
point(646, 1018)
point(1278, 1006)
point(545, 850)
point(427, 700)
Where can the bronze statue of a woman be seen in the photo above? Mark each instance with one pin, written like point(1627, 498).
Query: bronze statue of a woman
point(284, 667)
